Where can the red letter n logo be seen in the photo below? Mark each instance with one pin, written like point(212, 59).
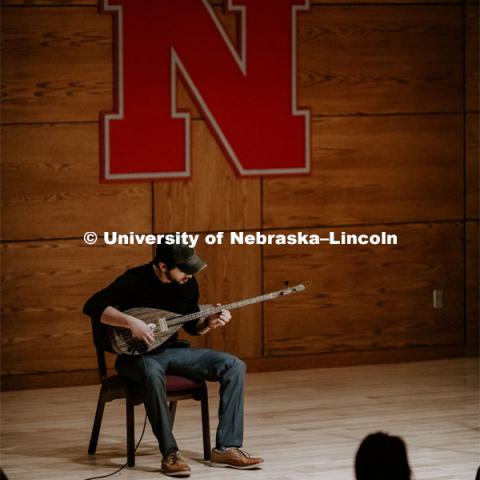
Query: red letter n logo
point(248, 96)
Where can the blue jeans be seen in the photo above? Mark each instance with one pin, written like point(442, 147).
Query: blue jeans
point(148, 372)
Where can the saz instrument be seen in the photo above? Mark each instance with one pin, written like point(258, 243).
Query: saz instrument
point(164, 324)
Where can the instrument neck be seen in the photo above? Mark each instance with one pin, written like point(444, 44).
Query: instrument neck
point(229, 306)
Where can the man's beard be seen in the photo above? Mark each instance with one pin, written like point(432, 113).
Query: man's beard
point(174, 280)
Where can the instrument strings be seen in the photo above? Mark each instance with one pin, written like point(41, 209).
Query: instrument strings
point(210, 311)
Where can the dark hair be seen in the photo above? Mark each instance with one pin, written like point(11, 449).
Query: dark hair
point(179, 256)
point(382, 456)
point(164, 254)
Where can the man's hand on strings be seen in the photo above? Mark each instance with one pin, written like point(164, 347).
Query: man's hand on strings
point(141, 331)
point(219, 319)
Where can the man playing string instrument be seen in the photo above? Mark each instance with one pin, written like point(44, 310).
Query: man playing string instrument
point(168, 283)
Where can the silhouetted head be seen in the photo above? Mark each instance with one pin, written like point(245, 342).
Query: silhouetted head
point(382, 457)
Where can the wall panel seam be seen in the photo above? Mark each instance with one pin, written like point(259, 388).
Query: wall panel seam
point(315, 116)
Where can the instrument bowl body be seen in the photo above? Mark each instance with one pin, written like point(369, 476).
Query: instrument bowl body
point(123, 342)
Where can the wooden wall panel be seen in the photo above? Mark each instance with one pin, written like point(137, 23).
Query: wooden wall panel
point(56, 64)
point(472, 179)
point(472, 288)
point(233, 273)
point(472, 80)
point(221, 2)
point(45, 285)
point(51, 189)
point(358, 66)
point(35, 38)
point(51, 379)
point(214, 199)
point(384, 2)
point(347, 359)
point(371, 297)
point(373, 59)
point(372, 170)
point(58, 3)
point(80, 2)
point(352, 59)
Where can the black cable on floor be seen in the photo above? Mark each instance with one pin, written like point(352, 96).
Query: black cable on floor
point(123, 466)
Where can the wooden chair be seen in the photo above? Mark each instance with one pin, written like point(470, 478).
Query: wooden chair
point(117, 386)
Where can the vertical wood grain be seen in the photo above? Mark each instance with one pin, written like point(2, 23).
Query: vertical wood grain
point(213, 199)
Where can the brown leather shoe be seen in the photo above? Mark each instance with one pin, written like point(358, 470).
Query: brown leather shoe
point(173, 465)
point(234, 458)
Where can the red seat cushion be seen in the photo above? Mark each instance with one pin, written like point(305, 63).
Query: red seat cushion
point(176, 383)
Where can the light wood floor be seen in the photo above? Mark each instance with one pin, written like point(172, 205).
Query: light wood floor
point(306, 424)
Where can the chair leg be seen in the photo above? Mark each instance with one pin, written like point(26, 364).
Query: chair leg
point(172, 407)
point(205, 423)
point(130, 431)
point(97, 423)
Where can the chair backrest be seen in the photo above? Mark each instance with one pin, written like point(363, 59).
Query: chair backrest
point(102, 364)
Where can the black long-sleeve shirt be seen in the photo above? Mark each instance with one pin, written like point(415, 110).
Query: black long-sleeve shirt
point(140, 287)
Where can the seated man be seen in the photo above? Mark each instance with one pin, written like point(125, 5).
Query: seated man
point(168, 283)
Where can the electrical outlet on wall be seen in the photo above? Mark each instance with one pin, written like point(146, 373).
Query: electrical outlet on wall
point(438, 298)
